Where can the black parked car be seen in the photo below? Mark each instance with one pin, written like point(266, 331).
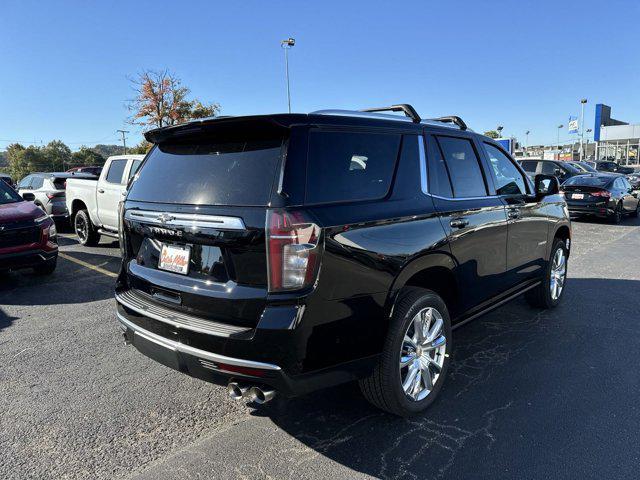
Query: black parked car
point(603, 195)
point(613, 167)
point(561, 170)
point(293, 252)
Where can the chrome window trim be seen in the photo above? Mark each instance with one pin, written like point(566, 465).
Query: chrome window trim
point(185, 220)
point(196, 352)
point(424, 180)
point(457, 199)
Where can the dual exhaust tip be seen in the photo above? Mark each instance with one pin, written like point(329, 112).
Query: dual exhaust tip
point(258, 395)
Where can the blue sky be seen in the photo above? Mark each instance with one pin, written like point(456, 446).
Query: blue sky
point(522, 64)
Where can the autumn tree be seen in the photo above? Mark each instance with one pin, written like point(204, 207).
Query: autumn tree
point(162, 100)
point(142, 148)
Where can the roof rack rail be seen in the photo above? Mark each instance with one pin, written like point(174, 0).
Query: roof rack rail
point(451, 119)
point(408, 110)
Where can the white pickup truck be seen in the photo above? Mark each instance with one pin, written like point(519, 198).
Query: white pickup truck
point(93, 204)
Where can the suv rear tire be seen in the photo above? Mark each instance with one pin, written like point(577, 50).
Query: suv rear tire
point(420, 354)
point(85, 231)
point(542, 296)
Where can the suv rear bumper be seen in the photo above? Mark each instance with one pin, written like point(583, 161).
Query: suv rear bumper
point(219, 368)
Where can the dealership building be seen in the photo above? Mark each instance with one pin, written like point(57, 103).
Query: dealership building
point(615, 140)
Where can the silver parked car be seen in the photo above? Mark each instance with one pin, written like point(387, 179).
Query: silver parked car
point(49, 191)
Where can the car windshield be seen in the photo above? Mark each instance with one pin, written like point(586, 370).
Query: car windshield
point(8, 194)
point(588, 181)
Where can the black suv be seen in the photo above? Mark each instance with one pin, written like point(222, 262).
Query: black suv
point(561, 170)
point(291, 252)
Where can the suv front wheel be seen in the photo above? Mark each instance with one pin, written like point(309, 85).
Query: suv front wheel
point(415, 359)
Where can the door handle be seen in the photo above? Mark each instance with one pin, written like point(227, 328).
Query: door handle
point(459, 223)
point(513, 214)
point(100, 190)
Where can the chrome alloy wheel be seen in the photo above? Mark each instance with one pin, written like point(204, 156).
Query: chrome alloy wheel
point(82, 229)
point(422, 354)
point(558, 273)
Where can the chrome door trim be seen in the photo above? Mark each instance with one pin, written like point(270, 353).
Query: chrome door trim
point(185, 220)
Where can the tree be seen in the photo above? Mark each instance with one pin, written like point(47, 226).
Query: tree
point(142, 148)
point(492, 134)
point(87, 157)
point(24, 160)
point(57, 154)
point(161, 100)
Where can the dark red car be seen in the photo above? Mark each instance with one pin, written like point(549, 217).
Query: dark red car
point(28, 236)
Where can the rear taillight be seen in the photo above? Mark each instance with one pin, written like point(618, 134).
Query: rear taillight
point(55, 195)
point(601, 193)
point(293, 250)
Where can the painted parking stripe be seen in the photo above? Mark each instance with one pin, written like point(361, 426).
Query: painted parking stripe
point(88, 265)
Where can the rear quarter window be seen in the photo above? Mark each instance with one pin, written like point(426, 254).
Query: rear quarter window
point(350, 166)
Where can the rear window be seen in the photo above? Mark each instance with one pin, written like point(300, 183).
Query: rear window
point(348, 166)
point(238, 173)
point(588, 181)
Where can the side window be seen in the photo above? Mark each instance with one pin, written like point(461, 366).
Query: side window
point(25, 183)
point(349, 166)
point(627, 185)
point(463, 167)
point(549, 168)
point(116, 170)
point(507, 177)
point(37, 183)
point(439, 183)
point(529, 166)
point(135, 165)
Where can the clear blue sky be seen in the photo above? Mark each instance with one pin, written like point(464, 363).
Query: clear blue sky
point(522, 64)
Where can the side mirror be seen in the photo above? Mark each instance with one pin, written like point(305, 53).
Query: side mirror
point(29, 197)
point(546, 185)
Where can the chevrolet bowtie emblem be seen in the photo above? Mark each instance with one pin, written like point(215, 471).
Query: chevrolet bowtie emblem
point(164, 218)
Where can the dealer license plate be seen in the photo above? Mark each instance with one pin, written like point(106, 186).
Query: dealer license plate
point(175, 258)
point(578, 196)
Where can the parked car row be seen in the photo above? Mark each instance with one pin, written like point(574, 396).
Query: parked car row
point(607, 191)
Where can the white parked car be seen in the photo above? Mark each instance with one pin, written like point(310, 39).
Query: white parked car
point(93, 204)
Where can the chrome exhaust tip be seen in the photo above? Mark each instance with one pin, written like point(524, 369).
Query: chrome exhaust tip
point(236, 390)
point(260, 396)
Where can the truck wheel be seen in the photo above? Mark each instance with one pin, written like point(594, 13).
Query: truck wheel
point(549, 293)
point(85, 230)
point(46, 268)
point(415, 358)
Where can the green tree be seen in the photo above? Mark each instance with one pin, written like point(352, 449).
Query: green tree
point(142, 148)
point(25, 160)
point(57, 154)
point(87, 157)
point(492, 134)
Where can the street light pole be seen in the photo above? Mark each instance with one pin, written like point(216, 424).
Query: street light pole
point(582, 103)
point(559, 128)
point(499, 128)
point(286, 45)
point(526, 142)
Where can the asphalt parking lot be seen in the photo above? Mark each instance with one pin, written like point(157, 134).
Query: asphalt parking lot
point(531, 394)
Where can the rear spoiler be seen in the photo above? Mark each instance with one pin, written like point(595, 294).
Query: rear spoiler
point(226, 126)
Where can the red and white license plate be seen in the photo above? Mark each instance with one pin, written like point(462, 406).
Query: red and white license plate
point(577, 196)
point(175, 258)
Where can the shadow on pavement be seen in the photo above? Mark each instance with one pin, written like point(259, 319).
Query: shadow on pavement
point(545, 392)
point(5, 320)
point(70, 283)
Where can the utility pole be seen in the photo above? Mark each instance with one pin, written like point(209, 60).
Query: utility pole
point(286, 45)
point(124, 140)
point(582, 102)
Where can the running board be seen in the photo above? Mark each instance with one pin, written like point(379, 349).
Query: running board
point(493, 306)
point(107, 233)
